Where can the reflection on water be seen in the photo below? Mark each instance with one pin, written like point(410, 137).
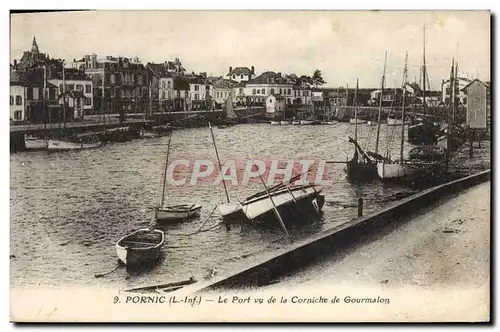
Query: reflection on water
point(69, 209)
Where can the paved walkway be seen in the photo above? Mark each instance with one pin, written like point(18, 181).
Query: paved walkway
point(435, 267)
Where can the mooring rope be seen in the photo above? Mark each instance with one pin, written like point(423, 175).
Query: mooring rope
point(101, 275)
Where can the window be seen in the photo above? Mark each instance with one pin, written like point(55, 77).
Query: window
point(18, 115)
point(253, 91)
point(163, 93)
point(258, 91)
point(289, 91)
point(88, 88)
point(272, 91)
point(88, 101)
point(270, 101)
point(19, 100)
point(163, 84)
point(196, 96)
point(241, 91)
point(168, 84)
point(178, 93)
point(241, 76)
point(281, 91)
point(70, 87)
point(11, 100)
point(169, 95)
point(79, 87)
point(196, 87)
point(234, 76)
point(112, 78)
point(263, 91)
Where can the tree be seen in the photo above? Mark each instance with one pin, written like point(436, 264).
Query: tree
point(317, 78)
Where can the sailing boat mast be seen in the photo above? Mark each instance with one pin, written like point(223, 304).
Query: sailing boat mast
point(455, 83)
point(380, 104)
point(452, 90)
point(356, 111)
point(165, 172)
point(424, 73)
point(218, 160)
point(405, 79)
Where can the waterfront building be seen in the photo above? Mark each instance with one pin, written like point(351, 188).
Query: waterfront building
point(477, 100)
point(124, 82)
point(275, 104)
point(198, 93)
point(17, 101)
point(266, 84)
point(460, 84)
point(223, 89)
point(241, 74)
point(41, 104)
point(78, 88)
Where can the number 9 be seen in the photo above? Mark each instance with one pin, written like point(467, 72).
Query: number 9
point(116, 299)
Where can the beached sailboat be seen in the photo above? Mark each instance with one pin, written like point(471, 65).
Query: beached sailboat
point(229, 114)
point(287, 199)
point(177, 212)
point(140, 248)
point(425, 131)
point(362, 166)
point(421, 159)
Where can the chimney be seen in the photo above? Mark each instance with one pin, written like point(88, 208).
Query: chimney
point(279, 74)
point(253, 70)
point(15, 64)
point(230, 69)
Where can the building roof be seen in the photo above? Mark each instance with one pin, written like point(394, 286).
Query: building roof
point(476, 80)
point(158, 69)
point(181, 83)
point(268, 77)
point(72, 94)
point(240, 71)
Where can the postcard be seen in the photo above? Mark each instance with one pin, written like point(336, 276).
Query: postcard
point(250, 166)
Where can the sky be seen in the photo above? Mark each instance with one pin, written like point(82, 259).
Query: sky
point(344, 45)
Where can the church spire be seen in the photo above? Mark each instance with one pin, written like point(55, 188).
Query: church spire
point(34, 46)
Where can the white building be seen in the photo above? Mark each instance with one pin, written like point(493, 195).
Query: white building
point(166, 88)
point(17, 102)
point(275, 103)
point(460, 84)
point(76, 81)
point(240, 74)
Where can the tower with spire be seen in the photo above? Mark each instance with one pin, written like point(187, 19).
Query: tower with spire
point(34, 46)
point(33, 58)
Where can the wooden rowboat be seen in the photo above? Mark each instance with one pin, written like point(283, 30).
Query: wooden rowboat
point(141, 247)
point(177, 212)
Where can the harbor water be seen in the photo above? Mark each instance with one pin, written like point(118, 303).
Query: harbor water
point(68, 209)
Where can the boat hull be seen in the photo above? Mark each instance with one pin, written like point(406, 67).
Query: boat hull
point(53, 145)
point(359, 121)
point(285, 122)
point(394, 122)
point(275, 122)
point(135, 254)
point(299, 200)
point(295, 123)
point(36, 144)
point(306, 122)
point(422, 133)
point(178, 212)
point(357, 171)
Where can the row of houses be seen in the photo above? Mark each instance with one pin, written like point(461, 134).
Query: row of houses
point(109, 84)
